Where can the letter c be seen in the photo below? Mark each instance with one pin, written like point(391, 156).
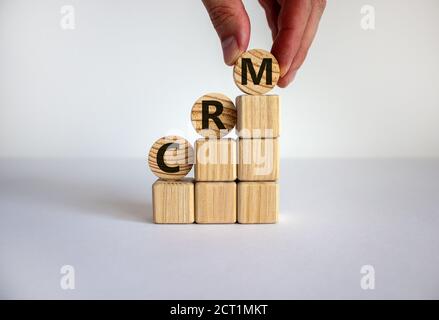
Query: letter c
point(161, 158)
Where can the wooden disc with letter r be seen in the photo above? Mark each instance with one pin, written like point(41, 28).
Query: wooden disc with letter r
point(256, 72)
point(171, 158)
point(213, 115)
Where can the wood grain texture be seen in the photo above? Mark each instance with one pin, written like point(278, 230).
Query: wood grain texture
point(258, 159)
point(258, 116)
point(215, 202)
point(182, 157)
point(173, 201)
point(215, 160)
point(256, 56)
point(227, 117)
point(258, 202)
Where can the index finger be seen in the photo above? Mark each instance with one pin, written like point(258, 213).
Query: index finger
point(292, 21)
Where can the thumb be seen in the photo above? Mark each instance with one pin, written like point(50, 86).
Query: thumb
point(232, 24)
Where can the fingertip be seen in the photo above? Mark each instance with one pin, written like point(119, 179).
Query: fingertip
point(282, 83)
point(287, 79)
point(284, 50)
point(232, 25)
point(292, 21)
point(231, 50)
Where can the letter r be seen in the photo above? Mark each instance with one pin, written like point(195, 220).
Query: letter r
point(205, 115)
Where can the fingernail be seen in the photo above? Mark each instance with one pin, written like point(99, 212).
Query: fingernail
point(231, 50)
point(283, 71)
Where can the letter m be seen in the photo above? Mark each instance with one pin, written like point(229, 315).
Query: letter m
point(247, 66)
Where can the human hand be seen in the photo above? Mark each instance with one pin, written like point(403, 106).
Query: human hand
point(293, 25)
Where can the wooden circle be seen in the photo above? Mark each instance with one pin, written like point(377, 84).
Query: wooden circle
point(227, 117)
point(257, 57)
point(178, 156)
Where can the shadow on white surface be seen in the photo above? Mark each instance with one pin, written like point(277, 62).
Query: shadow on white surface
point(336, 216)
point(86, 193)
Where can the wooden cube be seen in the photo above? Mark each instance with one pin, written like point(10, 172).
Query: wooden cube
point(258, 159)
point(215, 202)
point(258, 202)
point(256, 71)
point(258, 116)
point(215, 160)
point(173, 201)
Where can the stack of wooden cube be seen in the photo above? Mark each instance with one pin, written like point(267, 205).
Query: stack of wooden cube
point(234, 181)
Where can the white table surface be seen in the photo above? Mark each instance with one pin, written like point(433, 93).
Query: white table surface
point(336, 216)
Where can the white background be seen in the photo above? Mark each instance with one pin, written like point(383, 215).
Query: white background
point(131, 70)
